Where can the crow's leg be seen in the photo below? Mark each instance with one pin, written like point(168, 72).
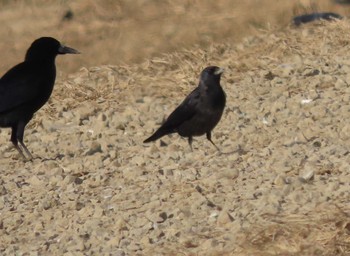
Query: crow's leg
point(15, 141)
point(20, 134)
point(209, 138)
point(190, 139)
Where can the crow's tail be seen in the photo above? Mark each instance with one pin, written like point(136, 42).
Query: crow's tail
point(158, 134)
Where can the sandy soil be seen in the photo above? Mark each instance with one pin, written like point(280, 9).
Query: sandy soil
point(280, 187)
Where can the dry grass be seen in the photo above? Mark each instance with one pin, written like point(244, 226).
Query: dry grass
point(324, 231)
point(115, 32)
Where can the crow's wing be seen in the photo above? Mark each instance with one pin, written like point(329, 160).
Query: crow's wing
point(18, 86)
point(184, 112)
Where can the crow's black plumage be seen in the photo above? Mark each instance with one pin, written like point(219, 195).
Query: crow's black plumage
point(26, 87)
point(201, 110)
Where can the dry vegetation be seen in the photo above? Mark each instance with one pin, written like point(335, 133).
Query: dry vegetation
point(102, 192)
point(123, 31)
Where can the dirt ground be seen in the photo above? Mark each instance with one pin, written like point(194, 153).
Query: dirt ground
point(279, 187)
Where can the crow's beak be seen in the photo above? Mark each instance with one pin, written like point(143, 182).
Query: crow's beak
point(67, 50)
point(219, 71)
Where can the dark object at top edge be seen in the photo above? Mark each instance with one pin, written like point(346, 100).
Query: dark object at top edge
point(342, 1)
point(298, 20)
point(68, 16)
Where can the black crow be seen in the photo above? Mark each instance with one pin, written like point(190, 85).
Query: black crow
point(26, 87)
point(201, 110)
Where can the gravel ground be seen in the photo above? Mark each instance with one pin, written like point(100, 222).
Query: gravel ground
point(279, 187)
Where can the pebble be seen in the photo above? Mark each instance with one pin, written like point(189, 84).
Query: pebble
point(95, 147)
point(279, 180)
point(307, 175)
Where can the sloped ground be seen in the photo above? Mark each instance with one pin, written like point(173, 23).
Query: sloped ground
point(124, 31)
point(280, 187)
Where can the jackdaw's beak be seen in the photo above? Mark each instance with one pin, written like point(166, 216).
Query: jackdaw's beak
point(67, 50)
point(219, 71)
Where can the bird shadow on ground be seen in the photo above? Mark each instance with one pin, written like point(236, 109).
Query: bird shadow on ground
point(57, 157)
point(240, 151)
point(19, 157)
